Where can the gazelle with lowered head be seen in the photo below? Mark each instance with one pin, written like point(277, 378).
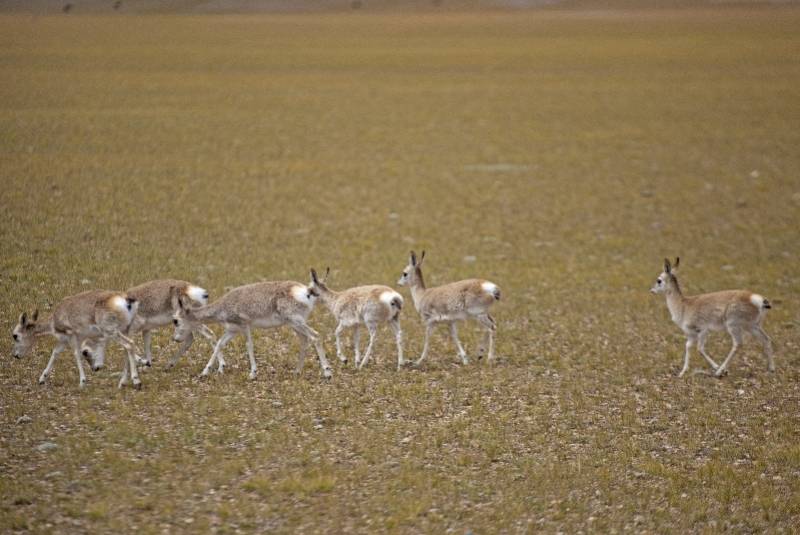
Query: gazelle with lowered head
point(450, 303)
point(158, 302)
point(261, 305)
point(735, 311)
point(362, 305)
point(93, 316)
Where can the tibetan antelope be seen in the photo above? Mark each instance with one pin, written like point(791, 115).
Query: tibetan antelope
point(260, 305)
point(450, 303)
point(93, 316)
point(362, 305)
point(736, 311)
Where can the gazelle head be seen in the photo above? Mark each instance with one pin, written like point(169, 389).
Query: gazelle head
point(183, 319)
point(412, 273)
point(317, 286)
point(24, 334)
point(667, 278)
point(94, 351)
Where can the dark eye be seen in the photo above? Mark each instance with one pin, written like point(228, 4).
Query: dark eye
point(15, 336)
point(660, 281)
point(175, 322)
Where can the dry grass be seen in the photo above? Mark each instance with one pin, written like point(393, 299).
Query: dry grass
point(568, 153)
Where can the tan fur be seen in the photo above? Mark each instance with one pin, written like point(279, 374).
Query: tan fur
point(259, 305)
point(735, 311)
point(450, 303)
point(77, 320)
point(362, 305)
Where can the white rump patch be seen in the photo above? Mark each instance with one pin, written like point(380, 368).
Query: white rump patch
point(757, 300)
point(300, 294)
point(121, 304)
point(197, 294)
point(489, 287)
point(387, 297)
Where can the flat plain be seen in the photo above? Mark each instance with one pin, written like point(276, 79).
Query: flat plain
point(560, 154)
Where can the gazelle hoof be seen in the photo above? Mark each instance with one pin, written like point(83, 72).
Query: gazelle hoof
point(252, 376)
point(327, 373)
point(721, 372)
point(137, 386)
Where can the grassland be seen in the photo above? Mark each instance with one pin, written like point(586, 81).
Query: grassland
point(567, 152)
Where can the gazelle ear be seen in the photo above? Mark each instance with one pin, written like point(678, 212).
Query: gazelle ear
point(667, 266)
point(35, 316)
point(23, 319)
point(314, 278)
point(413, 258)
point(677, 263)
point(327, 272)
point(421, 259)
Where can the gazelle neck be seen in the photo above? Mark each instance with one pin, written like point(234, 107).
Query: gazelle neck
point(205, 314)
point(43, 328)
point(417, 288)
point(675, 301)
point(328, 297)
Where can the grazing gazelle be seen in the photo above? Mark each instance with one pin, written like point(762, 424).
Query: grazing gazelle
point(97, 315)
point(736, 311)
point(158, 301)
point(367, 305)
point(260, 305)
point(450, 303)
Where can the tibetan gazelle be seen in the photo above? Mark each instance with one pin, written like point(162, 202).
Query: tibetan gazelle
point(94, 316)
point(736, 311)
point(261, 305)
point(450, 303)
point(362, 305)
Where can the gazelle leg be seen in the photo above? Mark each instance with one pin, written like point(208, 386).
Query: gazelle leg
point(76, 348)
point(130, 351)
point(398, 337)
point(372, 329)
point(313, 337)
point(487, 321)
point(301, 356)
point(454, 335)
point(736, 336)
point(428, 330)
point(60, 346)
point(766, 342)
point(147, 339)
point(356, 340)
point(689, 343)
point(250, 352)
point(209, 335)
point(184, 347)
point(216, 355)
point(339, 352)
point(701, 346)
point(123, 377)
